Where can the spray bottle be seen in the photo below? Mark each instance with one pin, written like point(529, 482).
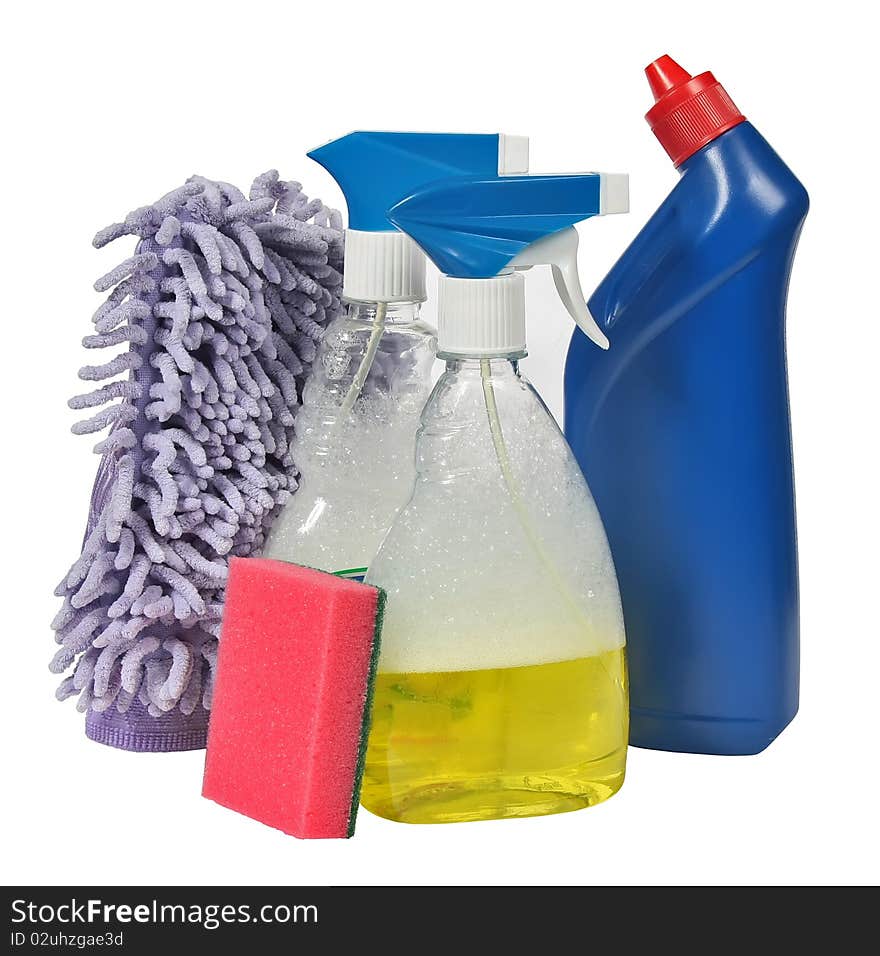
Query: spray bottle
point(501, 687)
point(355, 431)
point(682, 430)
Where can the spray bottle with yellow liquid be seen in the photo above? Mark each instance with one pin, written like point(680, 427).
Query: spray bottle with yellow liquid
point(502, 686)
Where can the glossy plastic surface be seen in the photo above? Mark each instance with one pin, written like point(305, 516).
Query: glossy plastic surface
point(472, 227)
point(375, 169)
point(682, 430)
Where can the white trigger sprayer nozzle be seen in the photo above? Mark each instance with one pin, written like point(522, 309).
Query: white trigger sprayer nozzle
point(559, 251)
point(469, 226)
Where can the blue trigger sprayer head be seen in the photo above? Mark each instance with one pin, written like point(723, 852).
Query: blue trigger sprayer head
point(374, 169)
point(486, 227)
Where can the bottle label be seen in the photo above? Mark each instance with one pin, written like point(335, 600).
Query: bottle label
point(353, 574)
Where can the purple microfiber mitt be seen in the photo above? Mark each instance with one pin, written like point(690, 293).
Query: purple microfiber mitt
point(220, 309)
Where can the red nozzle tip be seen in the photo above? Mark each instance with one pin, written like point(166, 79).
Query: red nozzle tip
point(688, 111)
point(665, 74)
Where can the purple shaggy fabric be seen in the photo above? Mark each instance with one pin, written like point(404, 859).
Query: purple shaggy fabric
point(220, 310)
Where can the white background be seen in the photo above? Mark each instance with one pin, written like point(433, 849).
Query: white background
point(108, 105)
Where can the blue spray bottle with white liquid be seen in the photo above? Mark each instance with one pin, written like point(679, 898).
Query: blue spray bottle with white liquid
point(682, 430)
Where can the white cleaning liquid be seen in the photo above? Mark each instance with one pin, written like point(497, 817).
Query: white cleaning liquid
point(355, 435)
point(502, 683)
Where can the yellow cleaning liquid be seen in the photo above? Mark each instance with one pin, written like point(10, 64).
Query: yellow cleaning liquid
point(508, 742)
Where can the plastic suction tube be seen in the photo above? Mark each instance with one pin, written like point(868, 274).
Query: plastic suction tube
point(363, 371)
point(516, 498)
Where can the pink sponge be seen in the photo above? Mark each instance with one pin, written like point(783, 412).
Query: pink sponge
point(292, 697)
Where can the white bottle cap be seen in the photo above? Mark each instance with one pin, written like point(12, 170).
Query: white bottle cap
point(485, 317)
point(383, 267)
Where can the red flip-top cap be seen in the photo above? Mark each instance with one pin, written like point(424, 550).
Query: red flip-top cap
point(689, 111)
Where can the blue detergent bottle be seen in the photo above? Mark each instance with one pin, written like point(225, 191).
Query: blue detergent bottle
point(682, 430)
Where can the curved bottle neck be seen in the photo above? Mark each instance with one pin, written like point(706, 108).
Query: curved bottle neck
point(396, 313)
point(505, 366)
point(478, 408)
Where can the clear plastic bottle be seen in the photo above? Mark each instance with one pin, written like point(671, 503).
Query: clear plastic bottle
point(355, 434)
point(502, 687)
point(355, 431)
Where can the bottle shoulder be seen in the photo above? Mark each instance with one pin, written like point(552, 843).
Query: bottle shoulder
point(739, 178)
point(500, 554)
point(476, 425)
point(458, 404)
point(722, 242)
point(357, 322)
point(399, 360)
